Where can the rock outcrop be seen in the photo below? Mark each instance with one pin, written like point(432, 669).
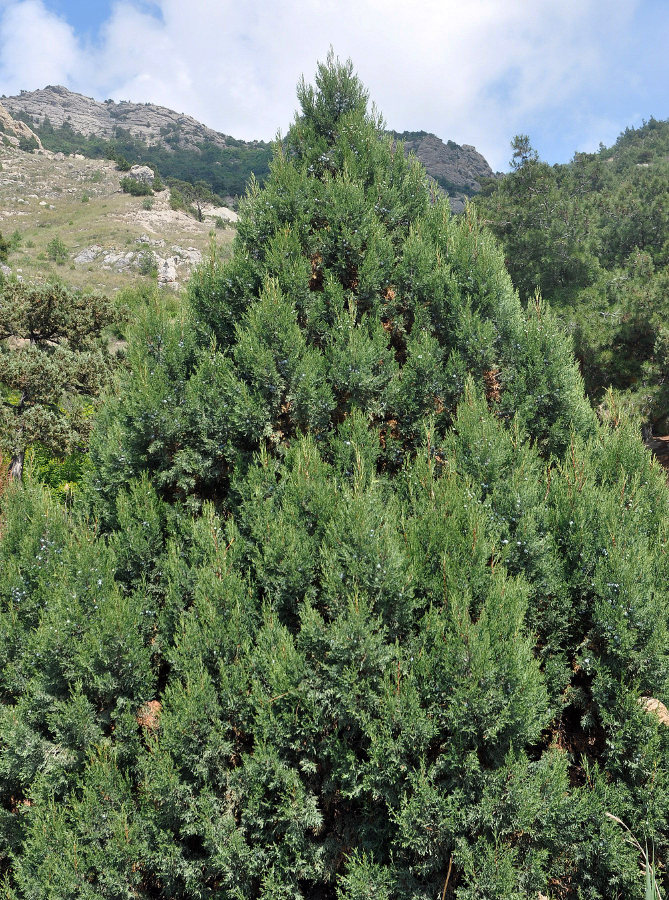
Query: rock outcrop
point(457, 169)
point(145, 121)
point(16, 131)
point(143, 174)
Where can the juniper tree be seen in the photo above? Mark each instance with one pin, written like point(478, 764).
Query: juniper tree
point(52, 362)
point(348, 289)
point(396, 602)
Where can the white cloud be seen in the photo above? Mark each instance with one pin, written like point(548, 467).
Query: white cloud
point(36, 47)
point(475, 72)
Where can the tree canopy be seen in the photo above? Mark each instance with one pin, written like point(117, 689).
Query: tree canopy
point(593, 236)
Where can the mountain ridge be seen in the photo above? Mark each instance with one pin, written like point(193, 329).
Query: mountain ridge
point(457, 169)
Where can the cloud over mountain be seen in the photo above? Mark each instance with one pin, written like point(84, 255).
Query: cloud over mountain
point(478, 72)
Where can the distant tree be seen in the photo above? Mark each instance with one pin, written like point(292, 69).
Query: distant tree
point(56, 250)
point(52, 362)
point(523, 152)
point(136, 188)
point(5, 247)
point(192, 197)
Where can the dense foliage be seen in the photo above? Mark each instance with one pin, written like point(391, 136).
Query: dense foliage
point(53, 360)
point(593, 236)
point(135, 187)
point(363, 601)
point(225, 170)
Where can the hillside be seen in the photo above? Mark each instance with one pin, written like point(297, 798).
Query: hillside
point(593, 237)
point(175, 144)
point(181, 147)
point(67, 217)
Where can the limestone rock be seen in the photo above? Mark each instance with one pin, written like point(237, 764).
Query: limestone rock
point(88, 255)
point(143, 174)
point(16, 130)
point(146, 121)
point(458, 170)
point(167, 272)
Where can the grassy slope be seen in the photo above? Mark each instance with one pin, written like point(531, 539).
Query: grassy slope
point(43, 198)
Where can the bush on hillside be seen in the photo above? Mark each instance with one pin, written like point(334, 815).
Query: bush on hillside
point(135, 187)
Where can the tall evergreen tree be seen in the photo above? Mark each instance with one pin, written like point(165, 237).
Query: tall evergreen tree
point(374, 607)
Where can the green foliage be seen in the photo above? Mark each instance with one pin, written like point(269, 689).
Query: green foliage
point(5, 247)
point(593, 237)
point(52, 362)
point(226, 170)
point(57, 251)
point(62, 475)
point(28, 144)
point(135, 187)
point(146, 264)
point(358, 600)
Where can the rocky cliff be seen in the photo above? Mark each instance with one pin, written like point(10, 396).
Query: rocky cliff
point(16, 132)
point(457, 169)
point(144, 121)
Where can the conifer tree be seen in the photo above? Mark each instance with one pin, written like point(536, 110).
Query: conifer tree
point(376, 608)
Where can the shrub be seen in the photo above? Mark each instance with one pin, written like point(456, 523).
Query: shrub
point(146, 263)
point(28, 144)
point(5, 247)
point(57, 251)
point(135, 187)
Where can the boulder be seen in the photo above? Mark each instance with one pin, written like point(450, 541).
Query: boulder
point(167, 272)
point(143, 174)
point(88, 255)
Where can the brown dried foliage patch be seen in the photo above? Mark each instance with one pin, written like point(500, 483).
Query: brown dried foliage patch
point(493, 388)
point(148, 715)
point(655, 708)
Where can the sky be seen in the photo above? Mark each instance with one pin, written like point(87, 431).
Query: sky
point(569, 73)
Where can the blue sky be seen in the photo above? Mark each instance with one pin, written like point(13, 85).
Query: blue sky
point(570, 73)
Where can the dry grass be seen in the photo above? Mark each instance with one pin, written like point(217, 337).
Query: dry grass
point(43, 198)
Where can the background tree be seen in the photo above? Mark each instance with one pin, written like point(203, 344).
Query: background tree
point(53, 360)
point(593, 236)
point(5, 247)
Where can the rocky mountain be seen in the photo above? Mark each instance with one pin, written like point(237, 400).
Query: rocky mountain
point(182, 147)
point(155, 125)
point(457, 169)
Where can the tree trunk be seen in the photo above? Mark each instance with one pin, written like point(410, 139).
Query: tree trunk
point(16, 466)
